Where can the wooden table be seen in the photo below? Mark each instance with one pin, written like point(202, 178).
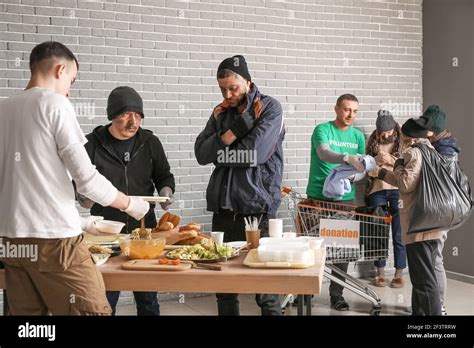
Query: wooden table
point(234, 278)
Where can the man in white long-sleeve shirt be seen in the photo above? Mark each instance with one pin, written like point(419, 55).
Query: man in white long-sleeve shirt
point(41, 150)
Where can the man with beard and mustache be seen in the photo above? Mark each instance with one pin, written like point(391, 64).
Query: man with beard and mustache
point(250, 122)
point(334, 143)
point(384, 146)
point(134, 160)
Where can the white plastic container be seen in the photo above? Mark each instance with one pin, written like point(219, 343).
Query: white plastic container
point(285, 241)
point(291, 252)
point(289, 235)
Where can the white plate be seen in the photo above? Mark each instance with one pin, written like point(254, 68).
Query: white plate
point(154, 199)
point(236, 245)
point(105, 239)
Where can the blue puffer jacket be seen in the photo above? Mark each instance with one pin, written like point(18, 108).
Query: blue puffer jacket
point(447, 147)
point(255, 188)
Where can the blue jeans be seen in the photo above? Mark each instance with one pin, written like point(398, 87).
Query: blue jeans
point(390, 198)
point(147, 302)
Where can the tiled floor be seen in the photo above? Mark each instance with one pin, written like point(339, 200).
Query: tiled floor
point(460, 301)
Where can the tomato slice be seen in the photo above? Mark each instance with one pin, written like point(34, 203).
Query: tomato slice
point(163, 261)
point(174, 262)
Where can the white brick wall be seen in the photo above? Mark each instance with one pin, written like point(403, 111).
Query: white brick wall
point(303, 52)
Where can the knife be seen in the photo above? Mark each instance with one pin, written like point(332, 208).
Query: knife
point(202, 265)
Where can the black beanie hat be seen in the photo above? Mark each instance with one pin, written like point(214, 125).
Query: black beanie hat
point(436, 118)
point(123, 99)
point(414, 128)
point(237, 64)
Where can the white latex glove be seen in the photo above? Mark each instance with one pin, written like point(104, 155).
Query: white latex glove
point(137, 208)
point(166, 192)
point(356, 162)
point(88, 224)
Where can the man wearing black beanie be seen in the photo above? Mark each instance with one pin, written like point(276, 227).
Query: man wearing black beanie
point(421, 247)
point(243, 138)
point(134, 160)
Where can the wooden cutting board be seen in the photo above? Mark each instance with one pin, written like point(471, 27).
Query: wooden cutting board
point(153, 265)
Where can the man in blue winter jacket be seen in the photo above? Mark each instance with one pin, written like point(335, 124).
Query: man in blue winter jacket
point(243, 139)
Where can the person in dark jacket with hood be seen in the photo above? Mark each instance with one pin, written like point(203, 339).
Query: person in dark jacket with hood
point(243, 139)
point(443, 141)
point(134, 160)
point(384, 146)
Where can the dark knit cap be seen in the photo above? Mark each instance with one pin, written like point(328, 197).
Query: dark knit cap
point(237, 64)
point(435, 118)
point(414, 128)
point(385, 121)
point(123, 99)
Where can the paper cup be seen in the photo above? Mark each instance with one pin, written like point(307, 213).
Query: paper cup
point(253, 238)
point(275, 228)
point(218, 237)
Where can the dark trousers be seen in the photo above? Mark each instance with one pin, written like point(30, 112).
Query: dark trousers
point(147, 302)
point(233, 227)
point(390, 198)
point(335, 290)
point(425, 297)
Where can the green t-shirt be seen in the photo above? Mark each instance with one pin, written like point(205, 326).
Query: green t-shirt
point(350, 140)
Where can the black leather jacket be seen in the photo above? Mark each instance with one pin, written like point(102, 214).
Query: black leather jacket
point(148, 169)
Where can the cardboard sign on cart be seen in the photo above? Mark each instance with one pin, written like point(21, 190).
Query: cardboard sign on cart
point(342, 238)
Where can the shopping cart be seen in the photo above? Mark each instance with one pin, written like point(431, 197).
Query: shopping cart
point(369, 238)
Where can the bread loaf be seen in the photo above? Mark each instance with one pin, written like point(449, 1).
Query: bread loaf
point(191, 226)
point(168, 217)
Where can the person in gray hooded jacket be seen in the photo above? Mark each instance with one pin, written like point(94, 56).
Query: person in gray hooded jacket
point(243, 139)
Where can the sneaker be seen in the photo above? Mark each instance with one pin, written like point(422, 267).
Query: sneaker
point(339, 304)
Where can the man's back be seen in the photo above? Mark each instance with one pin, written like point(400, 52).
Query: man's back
point(37, 124)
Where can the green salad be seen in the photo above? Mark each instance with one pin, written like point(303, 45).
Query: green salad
point(202, 252)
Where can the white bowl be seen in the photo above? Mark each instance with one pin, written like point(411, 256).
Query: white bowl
point(108, 226)
point(100, 259)
point(315, 243)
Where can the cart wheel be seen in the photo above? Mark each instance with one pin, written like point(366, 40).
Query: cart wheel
point(375, 311)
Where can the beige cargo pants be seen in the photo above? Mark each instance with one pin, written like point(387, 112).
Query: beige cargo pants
point(61, 280)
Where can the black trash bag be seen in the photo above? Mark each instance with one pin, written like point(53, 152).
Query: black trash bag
point(374, 232)
point(443, 199)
